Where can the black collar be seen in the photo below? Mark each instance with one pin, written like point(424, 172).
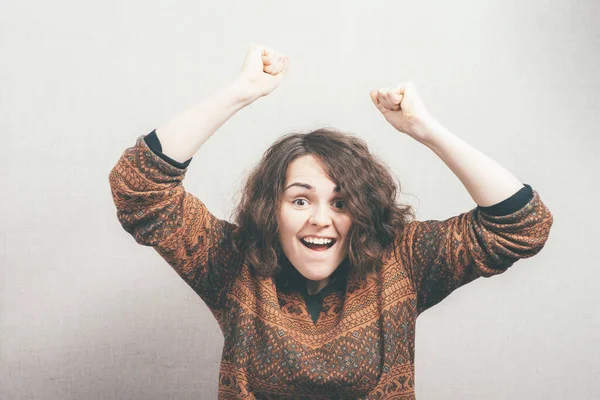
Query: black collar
point(289, 279)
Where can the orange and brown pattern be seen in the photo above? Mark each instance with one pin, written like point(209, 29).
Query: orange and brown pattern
point(362, 345)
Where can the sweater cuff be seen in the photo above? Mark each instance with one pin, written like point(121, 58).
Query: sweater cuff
point(154, 144)
point(511, 204)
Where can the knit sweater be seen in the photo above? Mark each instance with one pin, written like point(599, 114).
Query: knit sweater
point(361, 343)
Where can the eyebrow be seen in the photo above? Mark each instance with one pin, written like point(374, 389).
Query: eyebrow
point(307, 186)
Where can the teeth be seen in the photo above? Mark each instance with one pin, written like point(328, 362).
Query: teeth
point(317, 241)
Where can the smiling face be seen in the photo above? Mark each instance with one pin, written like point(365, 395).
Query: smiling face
point(311, 206)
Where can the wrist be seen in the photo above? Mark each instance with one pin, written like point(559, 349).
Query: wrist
point(439, 139)
point(243, 91)
point(429, 131)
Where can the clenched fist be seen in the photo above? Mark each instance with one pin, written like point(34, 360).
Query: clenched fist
point(262, 70)
point(402, 108)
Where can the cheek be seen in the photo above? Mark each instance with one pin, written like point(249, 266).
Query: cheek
point(345, 225)
point(291, 219)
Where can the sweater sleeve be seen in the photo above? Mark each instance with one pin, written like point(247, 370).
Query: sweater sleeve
point(154, 207)
point(486, 241)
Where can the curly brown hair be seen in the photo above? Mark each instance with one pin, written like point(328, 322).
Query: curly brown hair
point(366, 184)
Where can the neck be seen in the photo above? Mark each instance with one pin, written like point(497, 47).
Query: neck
point(314, 287)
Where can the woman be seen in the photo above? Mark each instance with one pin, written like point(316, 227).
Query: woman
point(318, 283)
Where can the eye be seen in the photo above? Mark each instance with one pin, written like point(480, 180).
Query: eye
point(341, 201)
point(294, 202)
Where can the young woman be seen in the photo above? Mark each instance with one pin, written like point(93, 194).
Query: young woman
point(318, 283)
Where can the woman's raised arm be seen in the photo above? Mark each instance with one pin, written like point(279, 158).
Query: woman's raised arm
point(262, 71)
point(509, 223)
point(154, 207)
point(487, 182)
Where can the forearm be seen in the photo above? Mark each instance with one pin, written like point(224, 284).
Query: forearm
point(183, 135)
point(487, 182)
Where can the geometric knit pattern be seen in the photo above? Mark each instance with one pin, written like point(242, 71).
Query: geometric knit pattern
point(362, 345)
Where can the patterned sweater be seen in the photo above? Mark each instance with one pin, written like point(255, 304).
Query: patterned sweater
point(361, 343)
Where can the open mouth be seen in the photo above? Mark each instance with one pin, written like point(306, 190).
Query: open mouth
point(318, 247)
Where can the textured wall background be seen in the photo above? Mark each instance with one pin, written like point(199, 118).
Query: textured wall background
point(86, 313)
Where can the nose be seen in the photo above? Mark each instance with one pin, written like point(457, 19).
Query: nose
point(320, 216)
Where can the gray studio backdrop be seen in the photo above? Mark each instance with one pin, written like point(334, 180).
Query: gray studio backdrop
point(87, 313)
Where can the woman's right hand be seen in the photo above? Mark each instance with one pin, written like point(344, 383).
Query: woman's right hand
point(262, 70)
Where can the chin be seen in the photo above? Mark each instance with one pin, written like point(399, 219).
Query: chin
point(316, 276)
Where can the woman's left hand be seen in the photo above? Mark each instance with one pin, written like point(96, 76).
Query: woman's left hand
point(403, 108)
